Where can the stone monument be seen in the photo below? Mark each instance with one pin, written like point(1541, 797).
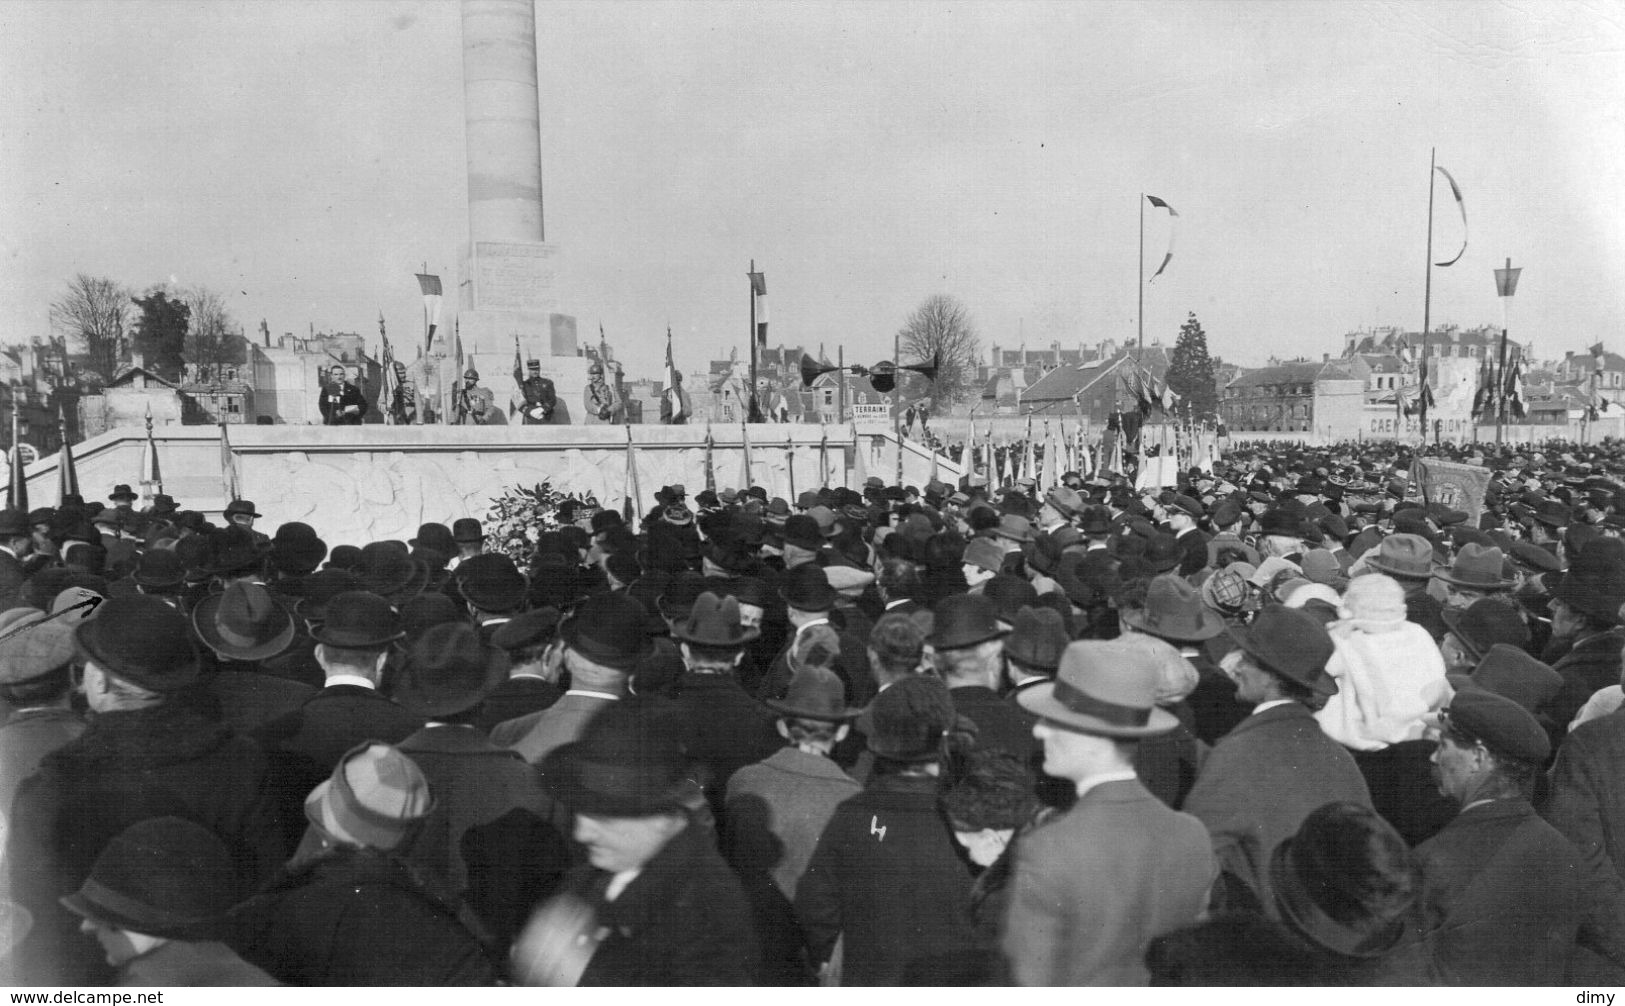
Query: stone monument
point(507, 285)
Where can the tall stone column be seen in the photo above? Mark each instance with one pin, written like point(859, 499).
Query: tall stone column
point(509, 276)
point(502, 118)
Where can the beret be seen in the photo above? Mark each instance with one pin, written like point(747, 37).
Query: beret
point(1504, 726)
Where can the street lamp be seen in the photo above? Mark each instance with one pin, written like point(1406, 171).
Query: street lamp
point(1506, 284)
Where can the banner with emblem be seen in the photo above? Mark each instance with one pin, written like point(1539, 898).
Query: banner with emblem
point(1455, 485)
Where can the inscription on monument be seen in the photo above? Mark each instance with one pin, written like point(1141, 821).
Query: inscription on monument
point(513, 277)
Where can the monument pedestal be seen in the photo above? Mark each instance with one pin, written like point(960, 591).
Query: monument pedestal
point(508, 291)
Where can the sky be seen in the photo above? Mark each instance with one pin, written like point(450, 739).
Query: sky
point(306, 158)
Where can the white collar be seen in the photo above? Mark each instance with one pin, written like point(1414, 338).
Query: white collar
point(1271, 704)
point(355, 680)
point(588, 692)
point(1089, 782)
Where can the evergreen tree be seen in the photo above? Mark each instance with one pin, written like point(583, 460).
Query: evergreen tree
point(1190, 370)
point(160, 333)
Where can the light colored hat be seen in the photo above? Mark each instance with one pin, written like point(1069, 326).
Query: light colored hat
point(1105, 687)
point(374, 797)
point(1375, 597)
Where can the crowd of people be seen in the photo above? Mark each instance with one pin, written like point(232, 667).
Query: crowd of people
point(1288, 722)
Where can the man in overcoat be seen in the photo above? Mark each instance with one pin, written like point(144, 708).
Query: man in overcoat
point(1094, 886)
point(1266, 775)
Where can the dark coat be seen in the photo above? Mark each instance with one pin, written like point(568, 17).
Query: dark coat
point(1243, 948)
point(11, 580)
point(888, 875)
point(1509, 892)
point(1193, 551)
point(307, 743)
point(999, 723)
point(356, 917)
point(1589, 665)
point(538, 733)
point(725, 728)
point(1168, 763)
point(1400, 778)
point(248, 699)
point(514, 698)
point(1261, 781)
point(333, 402)
point(1587, 801)
point(682, 921)
point(486, 801)
point(125, 768)
point(1427, 611)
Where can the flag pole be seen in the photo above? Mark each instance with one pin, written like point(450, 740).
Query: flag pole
point(897, 399)
point(1139, 314)
point(1427, 301)
point(752, 410)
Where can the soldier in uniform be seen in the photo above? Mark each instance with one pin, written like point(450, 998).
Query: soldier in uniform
point(403, 407)
point(476, 405)
point(540, 399)
point(341, 403)
point(600, 398)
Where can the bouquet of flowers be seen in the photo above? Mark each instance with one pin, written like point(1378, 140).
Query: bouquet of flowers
point(518, 517)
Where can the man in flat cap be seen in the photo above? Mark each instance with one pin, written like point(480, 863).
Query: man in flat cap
point(1510, 890)
point(1092, 887)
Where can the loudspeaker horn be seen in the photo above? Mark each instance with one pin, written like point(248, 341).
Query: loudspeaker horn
point(812, 371)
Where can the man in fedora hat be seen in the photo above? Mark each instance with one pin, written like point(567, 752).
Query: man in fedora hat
point(346, 909)
point(494, 590)
point(603, 640)
point(242, 626)
point(725, 728)
point(490, 836)
point(1586, 632)
point(146, 746)
point(967, 642)
point(1510, 892)
point(1477, 571)
point(352, 644)
point(655, 904)
point(886, 875)
point(156, 901)
point(1093, 886)
point(1265, 776)
point(776, 808)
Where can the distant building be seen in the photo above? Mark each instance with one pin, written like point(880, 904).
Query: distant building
point(286, 378)
point(1325, 397)
point(1093, 388)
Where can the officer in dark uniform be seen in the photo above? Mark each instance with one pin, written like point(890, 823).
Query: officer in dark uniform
point(540, 398)
point(341, 402)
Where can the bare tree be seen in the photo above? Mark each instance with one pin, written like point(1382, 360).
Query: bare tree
point(941, 329)
point(93, 315)
point(210, 341)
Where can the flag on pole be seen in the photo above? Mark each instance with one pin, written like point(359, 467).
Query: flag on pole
point(671, 403)
point(992, 475)
point(823, 456)
point(1513, 391)
point(710, 459)
point(386, 402)
point(228, 466)
point(67, 478)
point(18, 488)
point(1455, 190)
point(151, 478)
point(632, 506)
point(744, 457)
point(790, 461)
point(758, 289)
point(1052, 476)
point(1029, 466)
point(430, 287)
point(1173, 215)
point(860, 463)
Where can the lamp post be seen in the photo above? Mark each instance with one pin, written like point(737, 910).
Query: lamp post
point(1506, 284)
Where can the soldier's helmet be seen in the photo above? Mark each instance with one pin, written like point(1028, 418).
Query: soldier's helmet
point(471, 374)
point(534, 365)
point(597, 368)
